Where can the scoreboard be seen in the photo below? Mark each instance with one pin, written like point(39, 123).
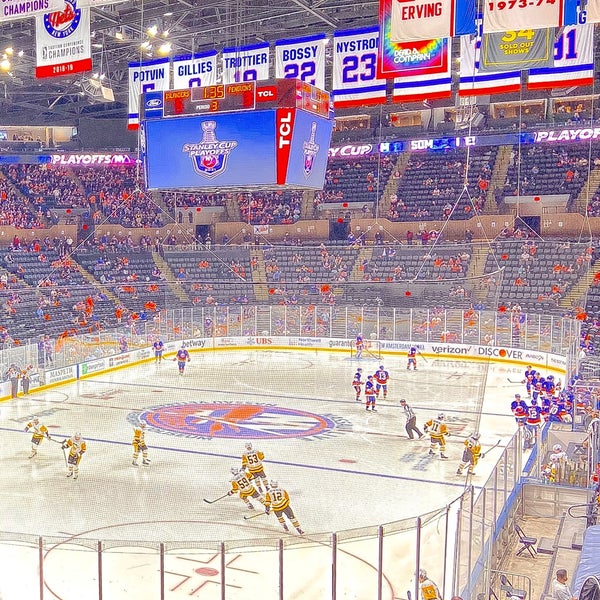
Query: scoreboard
point(239, 135)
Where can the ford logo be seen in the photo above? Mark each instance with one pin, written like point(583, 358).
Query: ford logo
point(154, 103)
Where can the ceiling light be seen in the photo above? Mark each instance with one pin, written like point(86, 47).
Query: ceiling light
point(119, 35)
point(96, 45)
point(164, 48)
point(152, 31)
point(9, 51)
point(5, 65)
point(168, 14)
point(20, 53)
point(165, 33)
point(145, 45)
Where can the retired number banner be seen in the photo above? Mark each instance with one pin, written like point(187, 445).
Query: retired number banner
point(247, 63)
point(302, 58)
point(505, 15)
point(145, 77)
point(195, 70)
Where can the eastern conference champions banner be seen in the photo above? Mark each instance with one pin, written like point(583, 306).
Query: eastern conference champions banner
point(63, 45)
point(287, 146)
point(195, 70)
point(302, 58)
point(248, 63)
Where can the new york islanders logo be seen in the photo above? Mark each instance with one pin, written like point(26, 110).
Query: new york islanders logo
point(209, 156)
point(61, 24)
point(233, 420)
point(311, 149)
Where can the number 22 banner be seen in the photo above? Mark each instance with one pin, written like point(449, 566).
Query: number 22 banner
point(505, 15)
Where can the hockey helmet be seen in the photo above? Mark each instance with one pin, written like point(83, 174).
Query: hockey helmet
point(234, 470)
point(402, 401)
point(248, 446)
point(517, 395)
point(557, 448)
point(422, 574)
point(441, 416)
point(35, 420)
point(359, 370)
point(476, 435)
point(534, 402)
point(77, 436)
point(142, 424)
point(274, 485)
point(381, 367)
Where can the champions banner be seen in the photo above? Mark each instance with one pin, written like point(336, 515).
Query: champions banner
point(517, 49)
point(144, 77)
point(302, 58)
point(472, 82)
point(63, 44)
point(505, 15)
point(195, 70)
point(421, 87)
point(573, 60)
point(415, 20)
point(12, 10)
point(247, 63)
point(355, 80)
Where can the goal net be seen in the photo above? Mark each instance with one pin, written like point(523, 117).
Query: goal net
point(370, 349)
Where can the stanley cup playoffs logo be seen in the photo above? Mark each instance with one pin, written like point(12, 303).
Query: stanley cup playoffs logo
point(311, 150)
point(209, 156)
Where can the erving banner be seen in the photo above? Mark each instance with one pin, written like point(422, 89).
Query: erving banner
point(63, 45)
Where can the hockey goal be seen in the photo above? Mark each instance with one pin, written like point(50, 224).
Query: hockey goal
point(371, 349)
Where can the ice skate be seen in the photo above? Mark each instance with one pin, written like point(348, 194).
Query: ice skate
point(443, 456)
point(70, 474)
point(459, 472)
point(33, 453)
point(431, 453)
point(286, 528)
point(134, 463)
point(146, 462)
point(300, 531)
point(75, 476)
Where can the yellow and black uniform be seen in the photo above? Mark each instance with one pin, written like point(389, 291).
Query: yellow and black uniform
point(139, 444)
point(437, 430)
point(429, 590)
point(471, 454)
point(252, 462)
point(38, 433)
point(77, 447)
point(279, 500)
point(241, 482)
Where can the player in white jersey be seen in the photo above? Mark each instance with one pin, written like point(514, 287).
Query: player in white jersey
point(139, 444)
point(77, 447)
point(437, 430)
point(279, 500)
point(241, 482)
point(38, 433)
point(252, 462)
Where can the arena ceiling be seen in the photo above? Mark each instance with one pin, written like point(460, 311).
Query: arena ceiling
point(119, 29)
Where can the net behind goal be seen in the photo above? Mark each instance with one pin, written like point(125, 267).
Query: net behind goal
point(370, 349)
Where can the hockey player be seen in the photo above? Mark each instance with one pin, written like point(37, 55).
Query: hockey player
point(429, 590)
point(438, 431)
point(241, 482)
point(252, 462)
point(533, 422)
point(357, 383)
point(279, 500)
point(381, 378)
point(38, 433)
point(412, 359)
point(359, 345)
point(139, 443)
point(471, 454)
point(182, 357)
point(411, 421)
point(519, 410)
point(77, 447)
point(370, 393)
point(158, 347)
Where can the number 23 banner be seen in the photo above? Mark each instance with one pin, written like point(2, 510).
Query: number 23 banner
point(504, 15)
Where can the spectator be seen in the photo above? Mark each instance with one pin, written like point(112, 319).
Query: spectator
point(560, 588)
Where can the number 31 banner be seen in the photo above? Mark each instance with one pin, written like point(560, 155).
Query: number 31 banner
point(505, 15)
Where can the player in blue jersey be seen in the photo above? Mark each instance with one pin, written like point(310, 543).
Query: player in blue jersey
point(357, 383)
point(182, 357)
point(533, 422)
point(412, 359)
point(370, 393)
point(158, 347)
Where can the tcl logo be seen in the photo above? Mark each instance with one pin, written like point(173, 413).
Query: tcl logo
point(264, 94)
point(284, 137)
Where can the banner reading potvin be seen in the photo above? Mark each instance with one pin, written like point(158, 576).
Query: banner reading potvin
point(63, 44)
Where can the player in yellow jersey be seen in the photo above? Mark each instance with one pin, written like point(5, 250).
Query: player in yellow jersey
point(429, 590)
point(241, 482)
point(139, 443)
point(437, 430)
point(471, 454)
point(279, 500)
point(252, 462)
point(77, 447)
point(38, 433)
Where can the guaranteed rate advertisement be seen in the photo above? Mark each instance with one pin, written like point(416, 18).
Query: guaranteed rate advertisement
point(211, 151)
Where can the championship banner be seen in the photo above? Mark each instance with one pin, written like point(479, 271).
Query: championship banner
point(474, 83)
point(506, 15)
point(13, 10)
point(421, 87)
point(144, 77)
point(395, 59)
point(247, 63)
point(63, 43)
point(573, 60)
point(415, 20)
point(517, 49)
point(195, 70)
point(302, 58)
point(355, 80)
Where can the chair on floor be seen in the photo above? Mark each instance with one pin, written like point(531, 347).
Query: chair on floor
point(511, 592)
point(527, 543)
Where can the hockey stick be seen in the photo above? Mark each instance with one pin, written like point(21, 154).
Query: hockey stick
point(258, 514)
point(409, 594)
point(494, 446)
point(512, 381)
point(424, 359)
point(216, 499)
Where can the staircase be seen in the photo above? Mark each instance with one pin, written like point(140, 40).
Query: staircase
point(477, 270)
point(308, 205)
point(94, 283)
point(259, 276)
point(587, 192)
point(173, 284)
point(366, 253)
point(232, 208)
point(497, 180)
point(575, 296)
point(392, 184)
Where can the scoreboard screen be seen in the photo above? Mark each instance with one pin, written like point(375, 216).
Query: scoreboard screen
point(239, 149)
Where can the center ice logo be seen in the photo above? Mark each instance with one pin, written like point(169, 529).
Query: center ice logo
point(209, 156)
point(233, 420)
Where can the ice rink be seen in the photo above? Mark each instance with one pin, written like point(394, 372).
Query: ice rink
point(342, 466)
